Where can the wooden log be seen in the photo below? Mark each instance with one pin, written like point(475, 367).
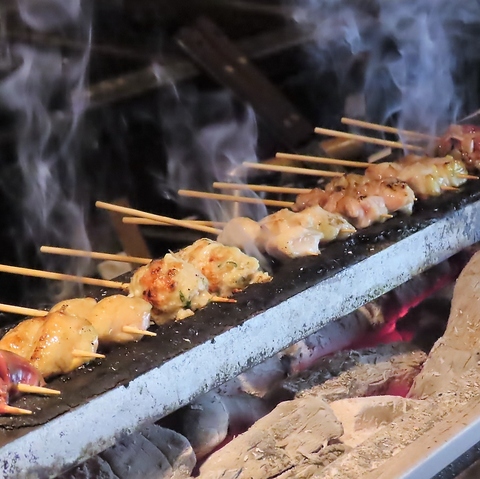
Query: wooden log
point(290, 436)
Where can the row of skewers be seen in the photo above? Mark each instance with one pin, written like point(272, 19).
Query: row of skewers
point(173, 287)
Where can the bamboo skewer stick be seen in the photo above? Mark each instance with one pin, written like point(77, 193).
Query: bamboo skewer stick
point(388, 129)
point(142, 214)
point(145, 221)
point(449, 188)
point(8, 308)
point(15, 411)
point(28, 389)
point(379, 155)
point(87, 354)
point(239, 199)
point(266, 188)
point(221, 299)
point(94, 255)
point(326, 161)
point(368, 139)
point(4, 268)
point(468, 177)
point(132, 330)
point(291, 169)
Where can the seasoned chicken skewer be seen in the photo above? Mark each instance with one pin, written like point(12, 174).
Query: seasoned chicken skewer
point(361, 200)
point(172, 286)
point(226, 268)
point(426, 176)
point(463, 143)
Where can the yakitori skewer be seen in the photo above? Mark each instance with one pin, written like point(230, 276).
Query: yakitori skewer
point(5, 268)
point(15, 411)
point(142, 214)
point(94, 255)
point(144, 221)
point(29, 389)
point(388, 129)
point(239, 199)
point(368, 139)
point(379, 155)
point(287, 190)
point(290, 169)
point(325, 161)
point(9, 308)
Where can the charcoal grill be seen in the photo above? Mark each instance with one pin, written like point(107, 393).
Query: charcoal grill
point(140, 383)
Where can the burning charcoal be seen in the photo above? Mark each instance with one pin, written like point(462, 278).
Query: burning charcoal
point(294, 434)
point(204, 422)
point(259, 380)
point(385, 369)
point(208, 420)
point(94, 468)
point(175, 447)
point(153, 453)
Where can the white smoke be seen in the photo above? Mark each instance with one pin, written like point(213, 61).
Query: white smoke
point(201, 151)
point(41, 96)
point(416, 55)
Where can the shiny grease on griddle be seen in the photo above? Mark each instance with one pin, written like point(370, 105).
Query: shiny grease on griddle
point(126, 362)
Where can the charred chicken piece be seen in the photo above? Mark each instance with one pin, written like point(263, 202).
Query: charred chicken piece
point(287, 234)
point(172, 286)
point(426, 176)
point(227, 268)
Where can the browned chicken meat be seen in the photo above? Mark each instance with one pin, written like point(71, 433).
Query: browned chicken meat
point(172, 286)
point(60, 337)
point(226, 268)
point(361, 200)
point(426, 176)
point(463, 143)
point(22, 338)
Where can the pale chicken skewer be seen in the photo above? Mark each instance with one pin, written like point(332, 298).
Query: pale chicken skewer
point(68, 335)
point(287, 234)
point(117, 319)
point(54, 344)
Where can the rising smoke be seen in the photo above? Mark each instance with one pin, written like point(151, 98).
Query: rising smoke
point(40, 95)
point(418, 56)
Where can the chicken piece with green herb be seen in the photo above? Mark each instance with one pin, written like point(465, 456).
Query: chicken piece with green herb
point(227, 269)
point(174, 287)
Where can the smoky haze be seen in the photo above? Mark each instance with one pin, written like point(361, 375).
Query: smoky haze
point(37, 94)
point(417, 57)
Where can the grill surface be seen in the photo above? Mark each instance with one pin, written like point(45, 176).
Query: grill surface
point(144, 381)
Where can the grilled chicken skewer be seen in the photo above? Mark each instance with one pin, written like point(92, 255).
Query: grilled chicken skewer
point(463, 143)
point(361, 200)
point(426, 176)
point(286, 234)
